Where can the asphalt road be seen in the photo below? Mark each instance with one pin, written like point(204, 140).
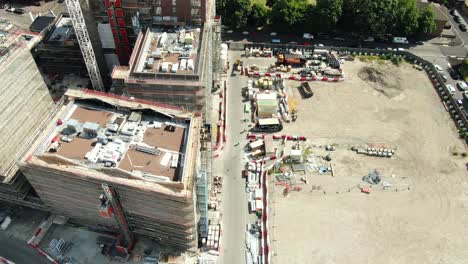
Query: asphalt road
point(17, 251)
point(234, 203)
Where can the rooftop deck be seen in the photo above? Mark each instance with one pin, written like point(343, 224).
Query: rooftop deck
point(168, 52)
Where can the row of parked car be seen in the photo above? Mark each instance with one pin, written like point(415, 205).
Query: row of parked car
point(458, 19)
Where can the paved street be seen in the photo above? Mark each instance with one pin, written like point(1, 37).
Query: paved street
point(17, 251)
point(235, 208)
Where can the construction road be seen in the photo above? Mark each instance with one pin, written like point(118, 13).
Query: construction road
point(17, 251)
point(234, 204)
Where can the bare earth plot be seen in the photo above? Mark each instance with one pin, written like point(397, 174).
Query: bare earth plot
point(422, 219)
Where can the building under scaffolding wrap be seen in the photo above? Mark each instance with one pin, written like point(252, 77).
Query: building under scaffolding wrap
point(148, 153)
point(26, 106)
point(169, 66)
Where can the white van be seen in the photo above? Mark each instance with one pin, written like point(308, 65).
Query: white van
point(400, 40)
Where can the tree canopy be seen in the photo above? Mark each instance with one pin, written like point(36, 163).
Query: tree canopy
point(286, 14)
point(379, 19)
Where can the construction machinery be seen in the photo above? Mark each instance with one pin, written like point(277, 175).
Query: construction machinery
point(238, 65)
point(292, 106)
point(111, 207)
point(291, 59)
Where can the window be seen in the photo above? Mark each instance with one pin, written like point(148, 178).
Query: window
point(174, 10)
point(174, 2)
point(158, 11)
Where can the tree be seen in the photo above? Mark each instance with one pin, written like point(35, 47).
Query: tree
point(329, 12)
point(286, 14)
point(259, 14)
point(235, 13)
point(464, 69)
point(426, 23)
point(407, 14)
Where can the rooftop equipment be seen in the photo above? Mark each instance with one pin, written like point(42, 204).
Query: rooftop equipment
point(90, 128)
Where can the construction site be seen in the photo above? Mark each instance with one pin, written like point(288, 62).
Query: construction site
point(360, 179)
point(131, 168)
point(26, 106)
point(140, 152)
point(167, 67)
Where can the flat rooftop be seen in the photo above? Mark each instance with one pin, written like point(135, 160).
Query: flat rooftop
point(148, 145)
point(171, 51)
point(63, 31)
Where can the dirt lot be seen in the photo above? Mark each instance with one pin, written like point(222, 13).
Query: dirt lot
point(422, 219)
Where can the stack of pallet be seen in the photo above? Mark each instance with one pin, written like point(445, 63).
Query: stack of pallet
point(214, 234)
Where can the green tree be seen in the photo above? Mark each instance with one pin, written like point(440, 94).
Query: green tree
point(286, 14)
point(259, 14)
point(464, 69)
point(235, 13)
point(329, 12)
point(426, 23)
point(406, 23)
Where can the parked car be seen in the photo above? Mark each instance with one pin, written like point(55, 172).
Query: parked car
point(452, 11)
point(339, 38)
point(457, 19)
point(454, 74)
point(460, 102)
point(18, 11)
point(444, 77)
point(245, 33)
point(36, 3)
point(465, 94)
point(369, 39)
point(462, 27)
point(462, 86)
point(400, 40)
point(319, 45)
point(307, 36)
point(5, 220)
point(419, 42)
point(448, 26)
point(61, 1)
point(273, 34)
point(450, 89)
point(438, 68)
point(10, 9)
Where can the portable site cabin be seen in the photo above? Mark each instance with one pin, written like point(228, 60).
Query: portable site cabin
point(267, 104)
point(256, 145)
point(269, 125)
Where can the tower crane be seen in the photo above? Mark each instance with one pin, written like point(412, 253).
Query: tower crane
point(81, 32)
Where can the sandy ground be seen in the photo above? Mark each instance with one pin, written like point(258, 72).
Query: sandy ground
point(422, 219)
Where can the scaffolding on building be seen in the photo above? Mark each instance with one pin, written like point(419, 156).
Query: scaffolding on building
point(86, 47)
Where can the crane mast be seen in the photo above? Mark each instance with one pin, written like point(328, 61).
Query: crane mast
point(117, 211)
point(76, 15)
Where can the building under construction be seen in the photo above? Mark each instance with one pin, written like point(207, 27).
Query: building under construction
point(148, 154)
point(59, 51)
point(167, 66)
point(119, 22)
point(25, 107)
